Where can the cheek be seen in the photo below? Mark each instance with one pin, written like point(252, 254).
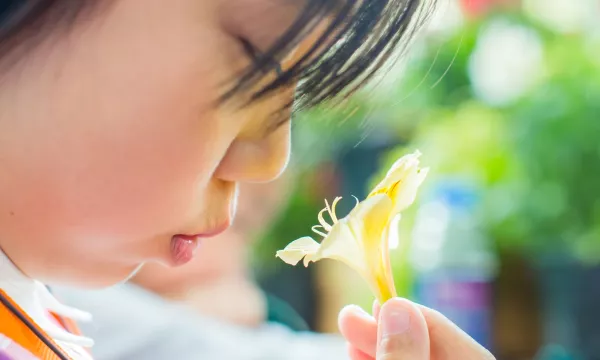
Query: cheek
point(150, 179)
point(147, 180)
point(131, 158)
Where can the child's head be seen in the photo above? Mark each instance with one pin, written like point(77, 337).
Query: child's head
point(124, 123)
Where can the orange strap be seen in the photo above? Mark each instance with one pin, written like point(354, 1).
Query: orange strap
point(19, 327)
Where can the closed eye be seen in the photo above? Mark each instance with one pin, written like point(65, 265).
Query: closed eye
point(256, 56)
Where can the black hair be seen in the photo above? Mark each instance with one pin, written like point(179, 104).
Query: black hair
point(360, 35)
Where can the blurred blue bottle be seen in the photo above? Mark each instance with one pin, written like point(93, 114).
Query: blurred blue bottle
point(454, 263)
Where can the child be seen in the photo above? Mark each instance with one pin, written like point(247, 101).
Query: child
point(126, 125)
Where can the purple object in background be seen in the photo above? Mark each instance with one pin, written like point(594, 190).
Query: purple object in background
point(464, 301)
point(10, 350)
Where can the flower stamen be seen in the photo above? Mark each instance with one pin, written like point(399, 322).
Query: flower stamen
point(332, 209)
point(322, 221)
point(314, 229)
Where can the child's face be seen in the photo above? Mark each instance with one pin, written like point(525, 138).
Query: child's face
point(111, 143)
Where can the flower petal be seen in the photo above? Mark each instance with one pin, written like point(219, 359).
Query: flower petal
point(398, 172)
point(342, 245)
point(384, 276)
point(405, 161)
point(298, 249)
point(406, 192)
point(369, 218)
point(370, 224)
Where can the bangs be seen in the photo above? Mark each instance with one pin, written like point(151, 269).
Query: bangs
point(359, 36)
point(355, 38)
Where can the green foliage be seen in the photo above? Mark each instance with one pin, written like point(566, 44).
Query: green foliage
point(537, 159)
point(555, 135)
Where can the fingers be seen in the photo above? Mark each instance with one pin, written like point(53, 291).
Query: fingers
point(403, 333)
point(356, 354)
point(449, 342)
point(359, 328)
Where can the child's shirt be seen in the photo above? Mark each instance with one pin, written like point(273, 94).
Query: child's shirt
point(33, 324)
point(134, 323)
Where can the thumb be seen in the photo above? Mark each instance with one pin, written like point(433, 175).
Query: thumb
point(402, 333)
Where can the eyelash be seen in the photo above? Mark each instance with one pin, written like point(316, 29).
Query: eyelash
point(254, 54)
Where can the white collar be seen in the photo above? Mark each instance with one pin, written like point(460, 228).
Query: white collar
point(34, 298)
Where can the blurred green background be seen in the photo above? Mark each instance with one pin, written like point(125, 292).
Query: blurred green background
point(503, 100)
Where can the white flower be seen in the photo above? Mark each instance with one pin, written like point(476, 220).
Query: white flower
point(361, 239)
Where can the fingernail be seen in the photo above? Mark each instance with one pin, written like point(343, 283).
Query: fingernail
point(395, 319)
point(376, 309)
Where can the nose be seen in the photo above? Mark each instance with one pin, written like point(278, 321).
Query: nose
point(257, 160)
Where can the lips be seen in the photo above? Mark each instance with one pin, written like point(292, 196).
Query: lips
point(183, 246)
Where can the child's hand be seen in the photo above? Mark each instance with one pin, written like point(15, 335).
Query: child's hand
point(406, 331)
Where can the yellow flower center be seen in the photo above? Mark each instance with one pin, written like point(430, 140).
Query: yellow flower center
point(389, 191)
